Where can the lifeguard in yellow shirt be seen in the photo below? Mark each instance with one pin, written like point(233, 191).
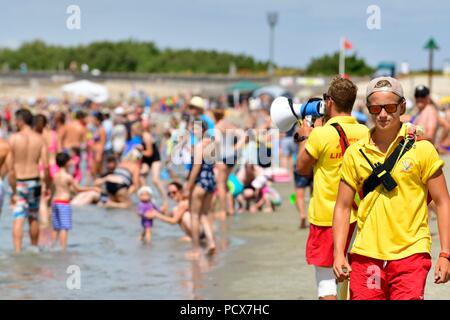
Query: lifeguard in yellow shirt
point(395, 171)
point(323, 149)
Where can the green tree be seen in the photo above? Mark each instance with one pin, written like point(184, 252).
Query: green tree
point(126, 56)
point(329, 65)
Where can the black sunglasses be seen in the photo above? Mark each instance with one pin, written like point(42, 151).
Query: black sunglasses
point(171, 193)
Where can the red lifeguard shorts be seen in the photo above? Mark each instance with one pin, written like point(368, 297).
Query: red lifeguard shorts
point(403, 279)
point(319, 247)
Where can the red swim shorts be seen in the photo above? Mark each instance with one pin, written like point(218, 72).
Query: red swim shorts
point(403, 279)
point(319, 247)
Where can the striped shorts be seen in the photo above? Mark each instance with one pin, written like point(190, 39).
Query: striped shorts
point(61, 215)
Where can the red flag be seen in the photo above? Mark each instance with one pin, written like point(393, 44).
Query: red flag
point(347, 44)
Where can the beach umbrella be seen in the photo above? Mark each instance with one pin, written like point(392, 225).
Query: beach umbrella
point(87, 89)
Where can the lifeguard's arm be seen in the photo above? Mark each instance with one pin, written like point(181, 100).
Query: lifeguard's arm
point(305, 161)
point(341, 225)
point(438, 189)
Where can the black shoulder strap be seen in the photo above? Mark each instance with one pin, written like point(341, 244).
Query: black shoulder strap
point(373, 180)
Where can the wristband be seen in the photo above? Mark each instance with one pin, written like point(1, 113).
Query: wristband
point(298, 138)
point(444, 254)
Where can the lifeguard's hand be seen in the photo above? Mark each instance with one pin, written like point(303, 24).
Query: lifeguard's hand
point(341, 268)
point(442, 271)
point(305, 129)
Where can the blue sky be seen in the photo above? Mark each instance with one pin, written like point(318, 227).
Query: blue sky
point(306, 29)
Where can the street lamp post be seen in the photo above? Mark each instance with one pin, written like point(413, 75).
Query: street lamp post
point(272, 19)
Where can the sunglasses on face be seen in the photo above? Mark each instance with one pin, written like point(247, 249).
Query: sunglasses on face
point(376, 108)
point(171, 193)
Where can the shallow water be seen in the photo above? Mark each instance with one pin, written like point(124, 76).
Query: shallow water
point(113, 263)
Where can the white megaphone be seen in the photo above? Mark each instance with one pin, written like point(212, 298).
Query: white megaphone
point(285, 113)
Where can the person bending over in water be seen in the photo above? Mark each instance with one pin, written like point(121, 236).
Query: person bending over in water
point(123, 182)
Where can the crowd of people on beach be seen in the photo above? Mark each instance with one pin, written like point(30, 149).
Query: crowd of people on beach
point(59, 154)
point(198, 163)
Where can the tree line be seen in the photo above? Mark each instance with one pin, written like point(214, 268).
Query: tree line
point(125, 56)
point(146, 57)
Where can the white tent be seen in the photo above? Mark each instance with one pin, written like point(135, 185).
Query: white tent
point(85, 88)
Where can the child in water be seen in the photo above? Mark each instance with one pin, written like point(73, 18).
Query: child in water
point(61, 209)
point(146, 209)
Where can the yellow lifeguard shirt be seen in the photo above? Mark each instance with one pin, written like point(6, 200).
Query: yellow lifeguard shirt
point(323, 145)
point(392, 225)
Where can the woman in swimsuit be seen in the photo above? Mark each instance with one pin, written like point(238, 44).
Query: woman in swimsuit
point(200, 187)
point(123, 182)
point(151, 160)
point(229, 142)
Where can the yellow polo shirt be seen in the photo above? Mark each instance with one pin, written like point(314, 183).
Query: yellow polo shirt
point(323, 145)
point(392, 225)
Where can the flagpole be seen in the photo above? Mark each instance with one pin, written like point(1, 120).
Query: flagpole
point(342, 57)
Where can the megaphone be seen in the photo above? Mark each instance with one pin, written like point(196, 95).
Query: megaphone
point(285, 113)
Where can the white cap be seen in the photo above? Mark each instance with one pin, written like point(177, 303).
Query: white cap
point(145, 189)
